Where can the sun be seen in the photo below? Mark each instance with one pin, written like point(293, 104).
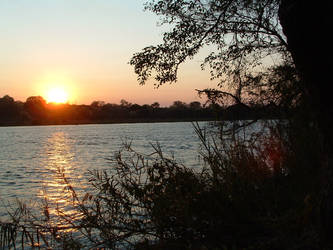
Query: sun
point(57, 95)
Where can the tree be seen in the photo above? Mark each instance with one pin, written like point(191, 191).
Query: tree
point(97, 104)
point(155, 105)
point(300, 20)
point(245, 33)
point(178, 105)
point(36, 108)
point(195, 105)
point(310, 54)
point(9, 110)
point(125, 103)
point(7, 99)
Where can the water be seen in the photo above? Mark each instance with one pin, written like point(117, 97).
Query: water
point(31, 156)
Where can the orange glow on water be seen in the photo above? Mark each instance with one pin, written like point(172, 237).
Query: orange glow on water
point(58, 177)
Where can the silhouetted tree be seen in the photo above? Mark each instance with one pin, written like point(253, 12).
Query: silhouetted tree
point(155, 105)
point(135, 107)
point(6, 99)
point(195, 105)
point(245, 34)
point(36, 108)
point(178, 105)
point(9, 110)
point(97, 104)
point(311, 55)
point(125, 103)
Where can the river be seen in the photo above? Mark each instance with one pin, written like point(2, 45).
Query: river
point(31, 156)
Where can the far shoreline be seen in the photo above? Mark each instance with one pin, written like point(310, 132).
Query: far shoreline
point(131, 121)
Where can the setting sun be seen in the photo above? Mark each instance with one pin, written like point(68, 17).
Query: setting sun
point(57, 95)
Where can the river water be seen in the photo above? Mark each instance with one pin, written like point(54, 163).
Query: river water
point(31, 156)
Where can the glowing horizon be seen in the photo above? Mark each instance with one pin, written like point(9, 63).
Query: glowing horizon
point(84, 47)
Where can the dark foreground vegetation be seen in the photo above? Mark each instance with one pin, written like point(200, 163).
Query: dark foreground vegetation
point(35, 111)
point(255, 193)
point(270, 190)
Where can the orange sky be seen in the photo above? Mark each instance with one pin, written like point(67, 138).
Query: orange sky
point(84, 47)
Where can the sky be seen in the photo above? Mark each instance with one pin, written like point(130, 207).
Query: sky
point(84, 46)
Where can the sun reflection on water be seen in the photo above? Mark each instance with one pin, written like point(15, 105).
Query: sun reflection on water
point(59, 177)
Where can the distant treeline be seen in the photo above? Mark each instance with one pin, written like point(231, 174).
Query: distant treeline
point(36, 111)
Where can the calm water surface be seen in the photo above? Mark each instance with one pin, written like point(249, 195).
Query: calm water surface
point(31, 156)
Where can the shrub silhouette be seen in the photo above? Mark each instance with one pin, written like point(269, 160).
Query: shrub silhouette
point(253, 192)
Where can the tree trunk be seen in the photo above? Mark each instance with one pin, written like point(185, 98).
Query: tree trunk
point(307, 27)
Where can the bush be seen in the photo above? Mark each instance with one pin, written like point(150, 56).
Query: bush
point(254, 192)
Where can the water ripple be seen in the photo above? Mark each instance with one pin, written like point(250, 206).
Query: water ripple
point(31, 157)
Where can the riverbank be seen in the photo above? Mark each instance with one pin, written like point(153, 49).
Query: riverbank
point(118, 121)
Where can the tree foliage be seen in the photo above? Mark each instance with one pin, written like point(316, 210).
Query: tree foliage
point(245, 36)
point(35, 111)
